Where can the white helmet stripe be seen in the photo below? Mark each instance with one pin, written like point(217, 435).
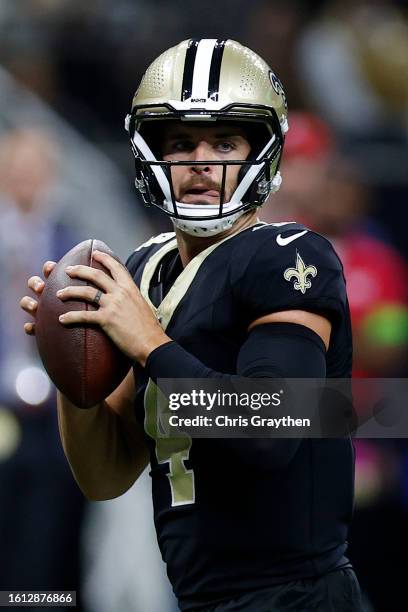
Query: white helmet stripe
point(158, 171)
point(250, 175)
point(202, 65)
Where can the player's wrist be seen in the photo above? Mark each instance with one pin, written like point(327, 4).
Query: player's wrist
point(150, 344)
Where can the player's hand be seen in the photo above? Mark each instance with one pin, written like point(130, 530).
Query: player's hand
point(29, 304)
point(123, 313)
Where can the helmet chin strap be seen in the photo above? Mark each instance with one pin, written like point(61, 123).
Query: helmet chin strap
point(205, 227)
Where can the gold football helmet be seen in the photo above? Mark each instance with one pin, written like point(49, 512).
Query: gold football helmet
point(208, 80)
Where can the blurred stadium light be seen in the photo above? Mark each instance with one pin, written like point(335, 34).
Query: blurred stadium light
point(33, 385)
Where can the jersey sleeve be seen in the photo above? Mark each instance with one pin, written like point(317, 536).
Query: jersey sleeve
point(282, 274)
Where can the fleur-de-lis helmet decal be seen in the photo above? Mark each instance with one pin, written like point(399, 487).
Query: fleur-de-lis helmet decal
point(300, 273)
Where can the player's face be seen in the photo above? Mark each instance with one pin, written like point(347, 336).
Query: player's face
point(201, 184)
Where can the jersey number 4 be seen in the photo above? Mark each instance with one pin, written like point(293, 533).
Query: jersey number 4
point(170, 448)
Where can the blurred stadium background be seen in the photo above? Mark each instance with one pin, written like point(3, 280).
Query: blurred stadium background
point(68, 70)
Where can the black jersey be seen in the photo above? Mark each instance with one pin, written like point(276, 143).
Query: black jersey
point(224, 527)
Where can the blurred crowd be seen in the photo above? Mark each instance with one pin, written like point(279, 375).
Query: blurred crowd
point(68, 70)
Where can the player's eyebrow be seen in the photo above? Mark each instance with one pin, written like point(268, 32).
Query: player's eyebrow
point(228, 135)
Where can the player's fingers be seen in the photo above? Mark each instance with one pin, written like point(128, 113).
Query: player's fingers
point(81, 292)
point(116, 269)
point(36, 283)
point(48, 268)
point(29, 328)
point(97, 277)
point(28, 304)
point(79, 316)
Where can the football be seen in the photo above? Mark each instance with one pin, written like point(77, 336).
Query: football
point(81, 360)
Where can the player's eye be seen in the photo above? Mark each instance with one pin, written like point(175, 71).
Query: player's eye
point(181, 146)
point(225, 147)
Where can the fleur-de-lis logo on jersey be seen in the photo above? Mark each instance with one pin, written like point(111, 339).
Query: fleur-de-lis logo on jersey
point(300, 273)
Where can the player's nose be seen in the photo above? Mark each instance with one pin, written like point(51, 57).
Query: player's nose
point(202, 152)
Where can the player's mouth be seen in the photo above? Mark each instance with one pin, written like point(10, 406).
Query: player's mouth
point(201, 195)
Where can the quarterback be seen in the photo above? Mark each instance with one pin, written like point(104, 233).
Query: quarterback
point(250, 525)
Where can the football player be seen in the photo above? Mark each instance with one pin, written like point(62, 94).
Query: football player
point(250, 525)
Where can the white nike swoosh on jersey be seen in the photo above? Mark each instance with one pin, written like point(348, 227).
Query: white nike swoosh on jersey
point(284, 241)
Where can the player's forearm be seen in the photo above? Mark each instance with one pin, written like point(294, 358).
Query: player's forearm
point(97, 447)
point(270, 351)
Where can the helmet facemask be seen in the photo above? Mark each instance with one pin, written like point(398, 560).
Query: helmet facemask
point(258, 176)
